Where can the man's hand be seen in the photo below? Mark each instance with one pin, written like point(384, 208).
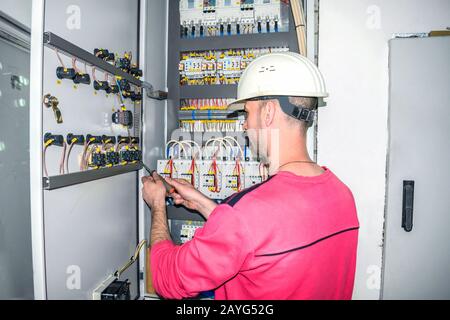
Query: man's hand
point(185, 194)
point(153, 191)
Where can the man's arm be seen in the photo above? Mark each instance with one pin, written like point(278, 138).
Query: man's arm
point(159, 230)
point(154, 194)
point(214, 256)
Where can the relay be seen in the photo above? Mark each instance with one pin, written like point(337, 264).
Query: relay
point(123, 117)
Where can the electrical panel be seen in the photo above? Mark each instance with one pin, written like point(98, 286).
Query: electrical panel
point(218, 66)
point(207, 18)
point(209, 148)
point(217, 179)
point(184, 230)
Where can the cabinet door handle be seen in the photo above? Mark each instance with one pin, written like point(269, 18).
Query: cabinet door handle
point(408, 205)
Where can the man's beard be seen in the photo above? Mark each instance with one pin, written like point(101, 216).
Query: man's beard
point(258, 145)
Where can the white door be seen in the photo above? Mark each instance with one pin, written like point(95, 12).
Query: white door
point(417, 238)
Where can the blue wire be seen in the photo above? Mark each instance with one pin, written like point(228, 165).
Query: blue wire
point(120, 90)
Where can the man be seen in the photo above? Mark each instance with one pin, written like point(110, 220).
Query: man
point(293, 236)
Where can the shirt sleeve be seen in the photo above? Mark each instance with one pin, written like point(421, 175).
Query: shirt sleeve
point(213, 256)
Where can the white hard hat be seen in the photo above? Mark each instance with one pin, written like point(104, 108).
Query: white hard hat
point(279, 74)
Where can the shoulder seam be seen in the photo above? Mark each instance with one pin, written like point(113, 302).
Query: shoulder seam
point(241, 194)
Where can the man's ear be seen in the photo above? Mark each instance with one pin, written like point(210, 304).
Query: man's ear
point(269, 113)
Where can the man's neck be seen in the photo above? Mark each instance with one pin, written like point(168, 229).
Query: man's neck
point(294, 158)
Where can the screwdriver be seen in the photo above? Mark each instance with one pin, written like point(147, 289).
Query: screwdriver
point(169, 188)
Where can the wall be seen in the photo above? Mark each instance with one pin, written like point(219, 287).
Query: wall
point(352, 135)
point(20, 10)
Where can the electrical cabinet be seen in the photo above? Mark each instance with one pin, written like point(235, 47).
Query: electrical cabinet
point(114, 84)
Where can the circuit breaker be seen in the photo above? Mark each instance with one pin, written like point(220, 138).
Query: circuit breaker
point(203, 18)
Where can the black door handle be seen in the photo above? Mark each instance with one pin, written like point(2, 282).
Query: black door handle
point(408, 205)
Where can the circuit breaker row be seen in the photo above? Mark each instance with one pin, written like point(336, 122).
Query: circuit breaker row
point(98, 151)
point(199, 18)
point(218, 66)
point(217, 179)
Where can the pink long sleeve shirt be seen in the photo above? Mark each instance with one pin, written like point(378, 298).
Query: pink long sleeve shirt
point(290, 237)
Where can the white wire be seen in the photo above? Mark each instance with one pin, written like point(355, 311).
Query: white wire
point(221, 143)
point(206, 145)
point(188, 142)
point(179, 144)
point(237, 143)
point(229, 143)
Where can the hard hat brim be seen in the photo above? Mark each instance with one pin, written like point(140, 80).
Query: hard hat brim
point(237, 105)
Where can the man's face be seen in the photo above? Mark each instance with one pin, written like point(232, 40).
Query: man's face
point(254, 126)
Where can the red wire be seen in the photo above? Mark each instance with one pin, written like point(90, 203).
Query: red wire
point(193, 172)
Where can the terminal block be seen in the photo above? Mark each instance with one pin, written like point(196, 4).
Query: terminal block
point(94, 139)
point(123, 63)
point(131, 155)
point(101, 53)
point(98, 159)
point(101, 85)
point(112, 158)
point(135, 71)
point(133, 140)
point(108, 139)
point(136, 96)
point(124, 85)
point(112, 89)
point(65, 73)
point(83, 78)
point(75, 139)
point(58, 140)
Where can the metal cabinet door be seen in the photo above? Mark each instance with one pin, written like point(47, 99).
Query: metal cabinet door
point(81, 233)
point(417, 263)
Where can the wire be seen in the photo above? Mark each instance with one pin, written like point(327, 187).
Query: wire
point(237, 143)
point(121, 94)
point(59, 58)
point(72, 143)
point(300, 25)
point(83, 156)
point(133, 259)
point(67, 158)
point(63, 156)
point(93, 74)
point(74, 60)
point(230, 155)
point(195, 144)
point(179, 144)
point(47, 144)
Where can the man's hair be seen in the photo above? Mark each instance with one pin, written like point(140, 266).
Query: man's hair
point(309, 103)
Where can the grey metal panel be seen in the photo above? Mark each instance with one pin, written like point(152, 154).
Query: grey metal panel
point(92, 225)
point(155, 112)
point(16, 273)
point(181, 213)
point(173, 59)
point(209, 92)
point(90, 228)
point(417, 263)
